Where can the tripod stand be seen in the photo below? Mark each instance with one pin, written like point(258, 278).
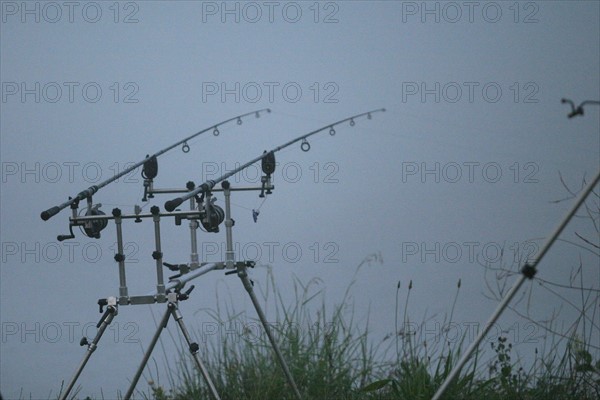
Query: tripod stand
point(171, 293)
point(173, 310)
point(193, 347)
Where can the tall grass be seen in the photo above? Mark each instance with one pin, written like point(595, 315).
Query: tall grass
point(329, 356)
point(333, 357)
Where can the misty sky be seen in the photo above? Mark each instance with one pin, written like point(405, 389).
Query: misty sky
point(464, 163)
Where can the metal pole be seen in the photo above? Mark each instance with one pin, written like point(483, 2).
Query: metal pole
point(229, 254)
point(229, 262)
point(120, 256)
point(193, 347)
point(194, 261)
point(157, 254)
point(107, 318)
point(178, 283)
point(263, 319)
point(527, 272)
point(138, 374)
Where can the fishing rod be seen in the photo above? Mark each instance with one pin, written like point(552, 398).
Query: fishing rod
point(149, 161)
point(268, 159)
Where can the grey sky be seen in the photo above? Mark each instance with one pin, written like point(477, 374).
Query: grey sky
point(474, 98)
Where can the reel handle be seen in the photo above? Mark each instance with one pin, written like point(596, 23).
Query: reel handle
point(60, 238)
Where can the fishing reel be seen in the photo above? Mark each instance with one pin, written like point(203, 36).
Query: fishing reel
point(211, 215)
point(93, 228)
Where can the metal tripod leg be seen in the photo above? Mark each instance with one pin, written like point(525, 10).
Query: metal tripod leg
point(263, 319)
point(106, 319)
point(193, 346)
point(243, 275)
point(172, 309)
point(138, 374)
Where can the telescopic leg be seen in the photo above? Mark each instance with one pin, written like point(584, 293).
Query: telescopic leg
point(138, 374)
point(193, 346)
point(106, 319)
point(263, 319)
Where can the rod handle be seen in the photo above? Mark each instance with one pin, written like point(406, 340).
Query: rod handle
point(173, 204)
point(49, 213)
point(61, 238)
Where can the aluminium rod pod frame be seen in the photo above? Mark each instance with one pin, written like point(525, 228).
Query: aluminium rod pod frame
point(239, 268)
point(176, 283)
point(208, 214)
point(233, 267)
point(164, 293)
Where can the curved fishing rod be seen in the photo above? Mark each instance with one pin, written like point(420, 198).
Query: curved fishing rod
point(305, 146)
point(89, 192)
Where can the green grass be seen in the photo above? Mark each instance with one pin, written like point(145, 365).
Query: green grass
point(333, 357)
